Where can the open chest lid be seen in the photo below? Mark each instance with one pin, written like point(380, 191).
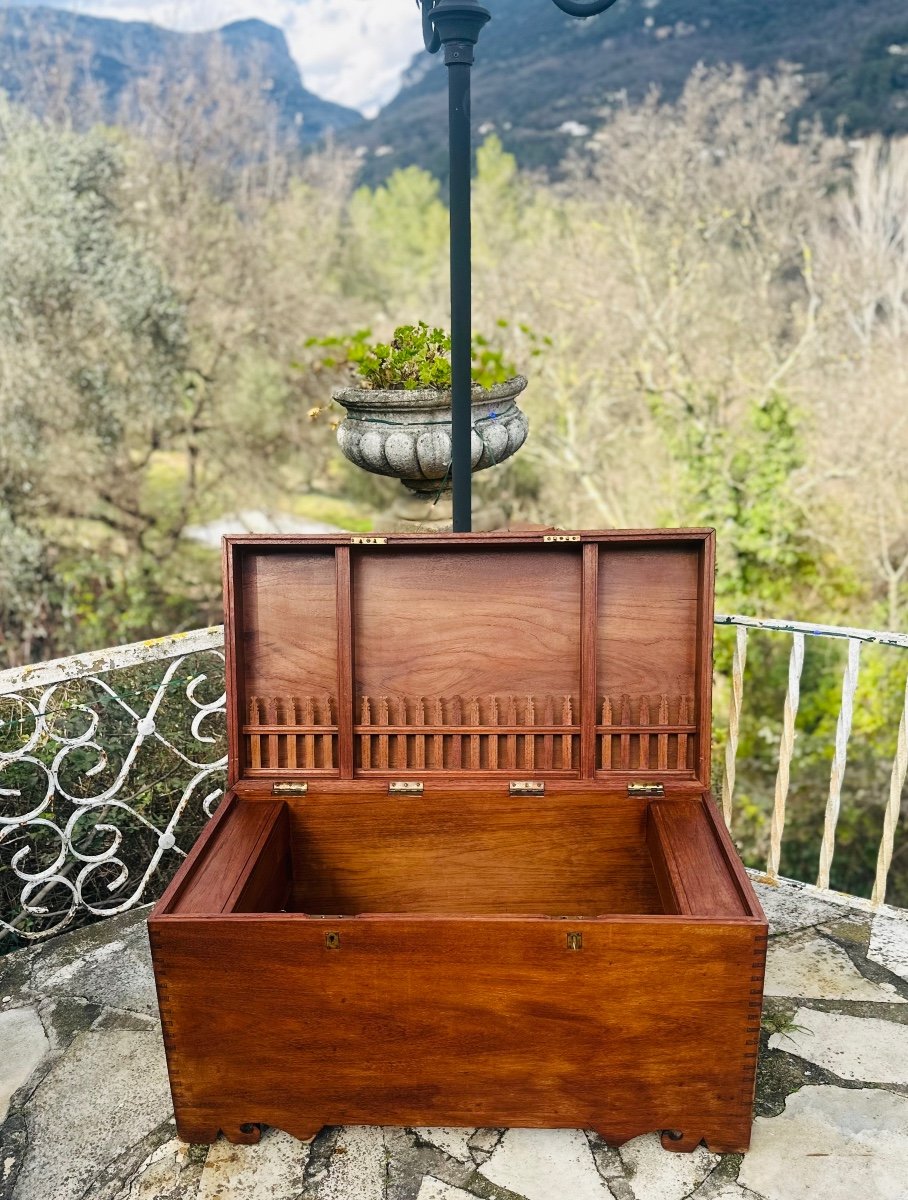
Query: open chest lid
point(520, 656)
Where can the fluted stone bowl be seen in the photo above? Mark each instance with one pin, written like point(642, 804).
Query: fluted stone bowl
point(407, 435)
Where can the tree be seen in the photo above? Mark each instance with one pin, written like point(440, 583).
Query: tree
point(93, 351)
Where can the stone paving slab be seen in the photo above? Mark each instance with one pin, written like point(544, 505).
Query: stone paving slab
point(85, 1110)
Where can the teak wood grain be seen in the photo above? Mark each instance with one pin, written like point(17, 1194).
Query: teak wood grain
point(227, 859)
point(697, 872)
point(465, 956)
point(467, 622)
point(464, 1023)
point(555, 856)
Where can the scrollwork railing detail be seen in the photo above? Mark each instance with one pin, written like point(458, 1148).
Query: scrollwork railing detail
point(101, 778)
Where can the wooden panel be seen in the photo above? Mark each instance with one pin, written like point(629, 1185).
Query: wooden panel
point(647, 657)
point(226, 858)
point(650, 1025)
point(186, 873)
point(648, 609)
point(471, 622)
point(266, 882)
point(289, 631)
point(667, 895)
point(478, 853)
point(732, 859)
point(700, 877)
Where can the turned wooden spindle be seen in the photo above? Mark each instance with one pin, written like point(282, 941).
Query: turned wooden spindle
point(308, 738)
point(548, 740)
point(682, 737)
point(662, 738)
point(399, 718)
point(365, 741)
point(419, 740)
point(382, 763)
point(494, 719)
point(438, 741)
point(457, 739)
point(625, 737)
point(607, 736)
point(511, 743)
point(255, 741)
point(567, 739)
point(473, 720)
point(273, 743)
point(293, 718)
point(529, 738)
point(644, 737)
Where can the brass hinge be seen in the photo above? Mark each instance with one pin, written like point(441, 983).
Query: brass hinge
point(289, 789)
point(562, 537)
point(526, 787)
point(646, 789)
point(368, 541)
point(407, 787)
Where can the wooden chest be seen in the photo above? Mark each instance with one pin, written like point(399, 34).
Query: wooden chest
point(468, 871)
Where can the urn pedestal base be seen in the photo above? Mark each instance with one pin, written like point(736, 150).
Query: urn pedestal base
point(411, 513)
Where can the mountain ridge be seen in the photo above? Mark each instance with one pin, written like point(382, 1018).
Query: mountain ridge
point(39, 42)
point(540, 74)
point(542, 79)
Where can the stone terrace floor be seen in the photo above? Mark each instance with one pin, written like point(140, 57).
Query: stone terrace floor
point(86, 1109)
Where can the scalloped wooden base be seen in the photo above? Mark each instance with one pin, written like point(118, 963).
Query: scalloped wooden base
point(240, 1133)
point(726, 1141)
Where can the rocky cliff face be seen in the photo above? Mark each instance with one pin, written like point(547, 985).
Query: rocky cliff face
point(46, 53)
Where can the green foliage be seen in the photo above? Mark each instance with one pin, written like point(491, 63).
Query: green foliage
point(417, 356)
point(740, 480)
point(95, 343)
point(398, 238)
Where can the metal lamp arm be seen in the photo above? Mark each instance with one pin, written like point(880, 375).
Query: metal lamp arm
point(430, 36)
point(583, 8)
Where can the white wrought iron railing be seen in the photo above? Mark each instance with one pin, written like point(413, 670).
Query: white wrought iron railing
point(89, 744)
point(85, 744)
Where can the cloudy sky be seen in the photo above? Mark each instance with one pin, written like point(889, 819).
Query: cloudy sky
point(351, 51)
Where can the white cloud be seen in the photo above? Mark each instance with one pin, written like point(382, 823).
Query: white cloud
point(351, 51)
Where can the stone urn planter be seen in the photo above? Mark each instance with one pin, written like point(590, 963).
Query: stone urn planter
point(407, 436)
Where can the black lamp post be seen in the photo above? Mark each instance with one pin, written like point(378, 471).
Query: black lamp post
point(456, 25)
